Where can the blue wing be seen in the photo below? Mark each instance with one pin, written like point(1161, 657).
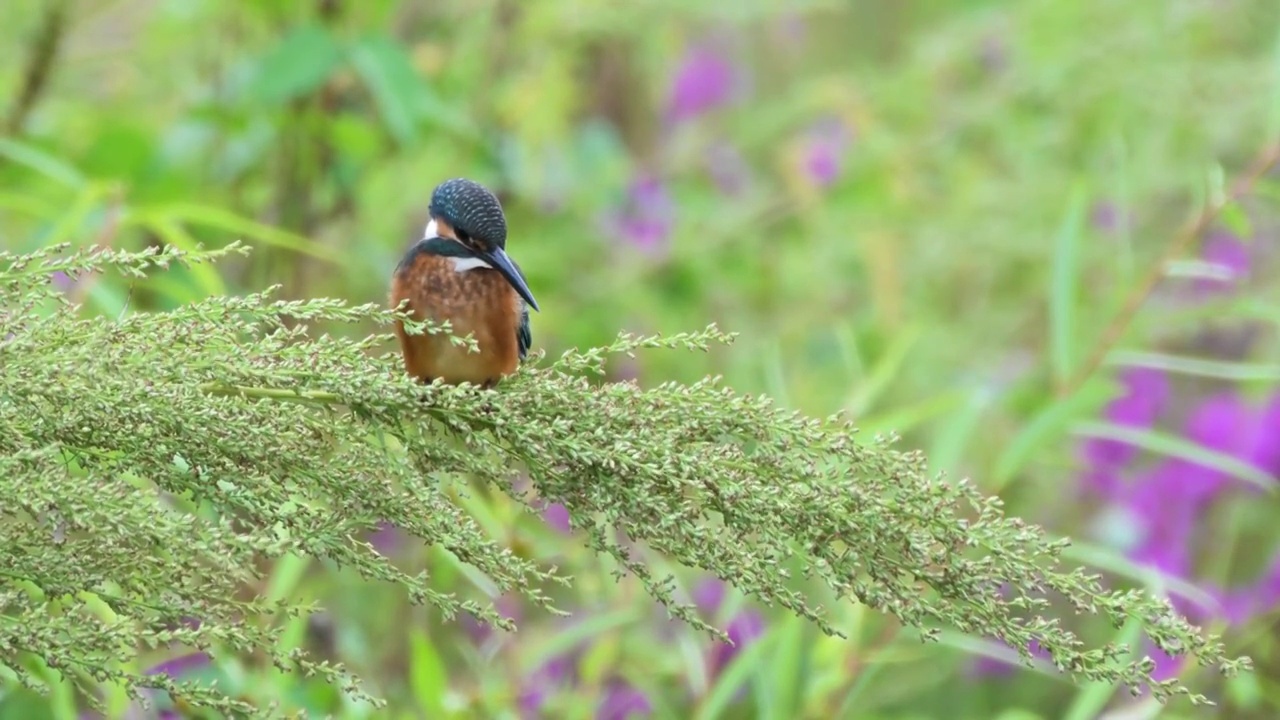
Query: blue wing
point(524, 336)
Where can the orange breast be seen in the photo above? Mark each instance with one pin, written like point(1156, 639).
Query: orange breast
point(479, 302)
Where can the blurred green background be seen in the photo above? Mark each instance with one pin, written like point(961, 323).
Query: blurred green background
point(924, 213)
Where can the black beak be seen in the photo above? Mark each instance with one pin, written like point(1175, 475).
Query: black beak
point(497, 257)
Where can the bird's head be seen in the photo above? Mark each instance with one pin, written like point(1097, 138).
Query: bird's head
point(466, 212)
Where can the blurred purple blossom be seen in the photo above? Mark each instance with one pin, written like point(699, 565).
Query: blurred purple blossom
point(744, 629)
point(623, 700)
point(1223, 423)
point(62, 282)
point(1166, 666)
point(1165, 520)
point(480, 632)
point(387, 538)
point(1231, 255)
point(708, 595)
point(824, 147)
point(176, 667)
point(1165, 502)
point(647, 216)
point(1153, 513)
point(543, 683)
point(703, 82)
point(1107, 216)
point(557, 516)
point(1145, 398)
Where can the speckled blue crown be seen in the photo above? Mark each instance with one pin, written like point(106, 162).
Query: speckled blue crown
point(471, 209)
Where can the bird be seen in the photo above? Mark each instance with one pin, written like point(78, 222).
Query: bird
point(460, 272)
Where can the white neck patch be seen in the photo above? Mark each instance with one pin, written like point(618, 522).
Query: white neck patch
point(464, 264)
point(460, 264)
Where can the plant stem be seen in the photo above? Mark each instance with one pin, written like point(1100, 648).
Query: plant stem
point(39, 67)
point(306, 396)
point(1265, 161)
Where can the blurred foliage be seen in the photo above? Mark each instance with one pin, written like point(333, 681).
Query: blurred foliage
point(922, 213)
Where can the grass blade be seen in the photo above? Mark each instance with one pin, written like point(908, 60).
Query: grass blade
point(1173, 446)
point(1065, 285)
point(1198, 367)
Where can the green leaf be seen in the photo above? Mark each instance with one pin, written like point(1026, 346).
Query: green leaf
point(402, 95)
point(1174, 446)
point(427, 675)
point(885, 370)
point(395, 85)
point(1235, 219)
point(42, 162)
point(1198, 367)
point(1045, 425)
point(27, 205)
point(905, 418)
point(28, 705)
point(1019, 714)
point(953, 437)
point(565, 641)
point(286, 576)
point(1066, 283)
point(732, 678)
point(298, 65)
point(215, 217)
point(71, 220)
point(785, 673)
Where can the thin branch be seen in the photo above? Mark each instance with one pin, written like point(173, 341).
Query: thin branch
point(1265, 161)
point(304, 396)
point(39, 67)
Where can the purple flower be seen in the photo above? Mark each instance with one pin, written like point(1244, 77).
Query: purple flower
point(479, 631)
point(1167, 500)
point(646, 219)
point(1240, 606)
point(622, 700)
point(546, 680)
point(744, 629)
point(386, 539)
point(1223, 423)
point(1268, 589)
point(1230, 255)
point(1146, 394)
point(824, 149)
point(62, 281)
point(178, 666)
point(703, 82)
point(708, 595)
point(1166, 665)
point(557, 516)
point(1166, 519)
point(1107, 217)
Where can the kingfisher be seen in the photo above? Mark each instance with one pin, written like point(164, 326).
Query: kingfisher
point(460, 272)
